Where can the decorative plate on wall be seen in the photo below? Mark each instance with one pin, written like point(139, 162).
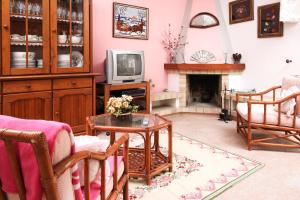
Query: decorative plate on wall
point(204, 20)
point(203, 56)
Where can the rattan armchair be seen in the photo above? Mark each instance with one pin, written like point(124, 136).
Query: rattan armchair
point(51, 173)
point(258, 113)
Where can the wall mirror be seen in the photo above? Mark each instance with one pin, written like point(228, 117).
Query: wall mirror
point(204, 20)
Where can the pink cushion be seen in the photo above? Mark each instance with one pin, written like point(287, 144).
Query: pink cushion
point(288, 82)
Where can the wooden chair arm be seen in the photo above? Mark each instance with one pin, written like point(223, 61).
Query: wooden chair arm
point(278, 103)
point(70, 161)
point(261, 94)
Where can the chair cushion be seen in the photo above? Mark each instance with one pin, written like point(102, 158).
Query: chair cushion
point(289, 81)
point(90, 143)
point(257, 115)
point(288, 106)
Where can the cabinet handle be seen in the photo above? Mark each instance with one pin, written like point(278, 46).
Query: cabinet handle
point(53, 30)
point(5, 26)
point(73, 83)
point(56, 113)
point(28, 86)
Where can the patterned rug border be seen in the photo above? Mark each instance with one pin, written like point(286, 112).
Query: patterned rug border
point(233, 182)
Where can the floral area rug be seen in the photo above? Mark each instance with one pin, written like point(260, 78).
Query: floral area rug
point(200, 171)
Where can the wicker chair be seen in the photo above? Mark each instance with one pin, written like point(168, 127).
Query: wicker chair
point(258, 113)
point(51, 173)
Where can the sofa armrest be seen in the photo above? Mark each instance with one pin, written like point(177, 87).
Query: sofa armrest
point(258, 94)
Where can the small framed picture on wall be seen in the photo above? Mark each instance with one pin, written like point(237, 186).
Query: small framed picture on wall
point(240, 11)
point(269, 24)
point(130, 21)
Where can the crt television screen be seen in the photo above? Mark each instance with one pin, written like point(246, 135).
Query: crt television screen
point(129, 64)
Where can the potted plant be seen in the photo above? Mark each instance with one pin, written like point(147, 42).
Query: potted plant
point(121, 107)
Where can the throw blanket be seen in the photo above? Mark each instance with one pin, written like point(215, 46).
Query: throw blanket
point(27, 158)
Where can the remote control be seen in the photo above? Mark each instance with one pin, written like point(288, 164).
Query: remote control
point(145, 121)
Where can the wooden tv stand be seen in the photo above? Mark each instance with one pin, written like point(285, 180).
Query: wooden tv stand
point(107, 89)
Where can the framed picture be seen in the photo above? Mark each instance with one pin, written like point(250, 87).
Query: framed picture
point(241, 11)
point(130, 21)
point(268, 21)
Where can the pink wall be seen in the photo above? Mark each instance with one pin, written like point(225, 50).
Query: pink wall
point(162, 12)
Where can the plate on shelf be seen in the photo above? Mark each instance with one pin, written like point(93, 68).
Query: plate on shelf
point(77, 59)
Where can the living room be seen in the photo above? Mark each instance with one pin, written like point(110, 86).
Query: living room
point(137, 99)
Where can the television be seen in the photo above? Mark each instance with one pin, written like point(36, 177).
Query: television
point(124, 66)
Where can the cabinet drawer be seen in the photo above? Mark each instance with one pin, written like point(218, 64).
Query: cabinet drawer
point(26, 86)
point(72, 83)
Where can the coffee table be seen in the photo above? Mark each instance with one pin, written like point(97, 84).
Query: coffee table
point(145, 161)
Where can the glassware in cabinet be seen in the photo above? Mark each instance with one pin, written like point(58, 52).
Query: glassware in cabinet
point(26, 33)
point(70, 36)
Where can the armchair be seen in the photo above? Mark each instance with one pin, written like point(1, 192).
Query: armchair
point(56, 173)
point(269, 116)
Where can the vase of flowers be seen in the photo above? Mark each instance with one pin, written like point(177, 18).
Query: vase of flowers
point(172, 43)
point(121, 107)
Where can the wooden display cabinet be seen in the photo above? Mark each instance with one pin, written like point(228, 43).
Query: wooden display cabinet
point(106, 91)
point(68, 107)
point(46, 67)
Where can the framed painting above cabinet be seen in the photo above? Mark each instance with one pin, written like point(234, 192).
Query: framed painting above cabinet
point(130, 21)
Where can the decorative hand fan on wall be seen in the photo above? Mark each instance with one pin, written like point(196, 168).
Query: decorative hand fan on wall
point(203, 57)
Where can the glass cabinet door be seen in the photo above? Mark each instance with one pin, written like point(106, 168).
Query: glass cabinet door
point(25, 31)
point(70, 38)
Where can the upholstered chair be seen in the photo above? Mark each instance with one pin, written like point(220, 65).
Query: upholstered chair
point(64, 171)
point(272, 115)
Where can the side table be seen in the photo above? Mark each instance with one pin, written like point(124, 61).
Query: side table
point(146, 161)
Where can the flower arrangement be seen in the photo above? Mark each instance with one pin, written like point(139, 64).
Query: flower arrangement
point(121, 105)
point(172, 42)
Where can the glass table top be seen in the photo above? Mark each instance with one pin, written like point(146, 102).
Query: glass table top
point(137, 120)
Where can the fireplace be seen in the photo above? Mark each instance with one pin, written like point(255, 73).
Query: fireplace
point(204, 95)
point(204, 89)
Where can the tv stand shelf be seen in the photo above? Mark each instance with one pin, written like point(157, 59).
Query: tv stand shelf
point(107, 90)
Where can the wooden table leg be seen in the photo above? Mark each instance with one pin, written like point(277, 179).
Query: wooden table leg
point(156, 140)
point(170, 147)
point(148, 157)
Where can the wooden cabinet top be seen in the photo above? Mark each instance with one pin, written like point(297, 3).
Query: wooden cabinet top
point(49, 76)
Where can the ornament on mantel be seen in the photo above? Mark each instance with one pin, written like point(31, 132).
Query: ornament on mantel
point(203, 57)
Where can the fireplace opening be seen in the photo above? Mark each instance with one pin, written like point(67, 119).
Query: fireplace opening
point(204, 89)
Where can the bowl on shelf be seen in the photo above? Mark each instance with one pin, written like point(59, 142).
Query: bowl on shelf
point(76, 39)
point(64, 57)
point(22, 55)
point(62, 39)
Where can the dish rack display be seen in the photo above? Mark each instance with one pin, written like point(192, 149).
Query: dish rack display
point(31, 27)
point(45, 68)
